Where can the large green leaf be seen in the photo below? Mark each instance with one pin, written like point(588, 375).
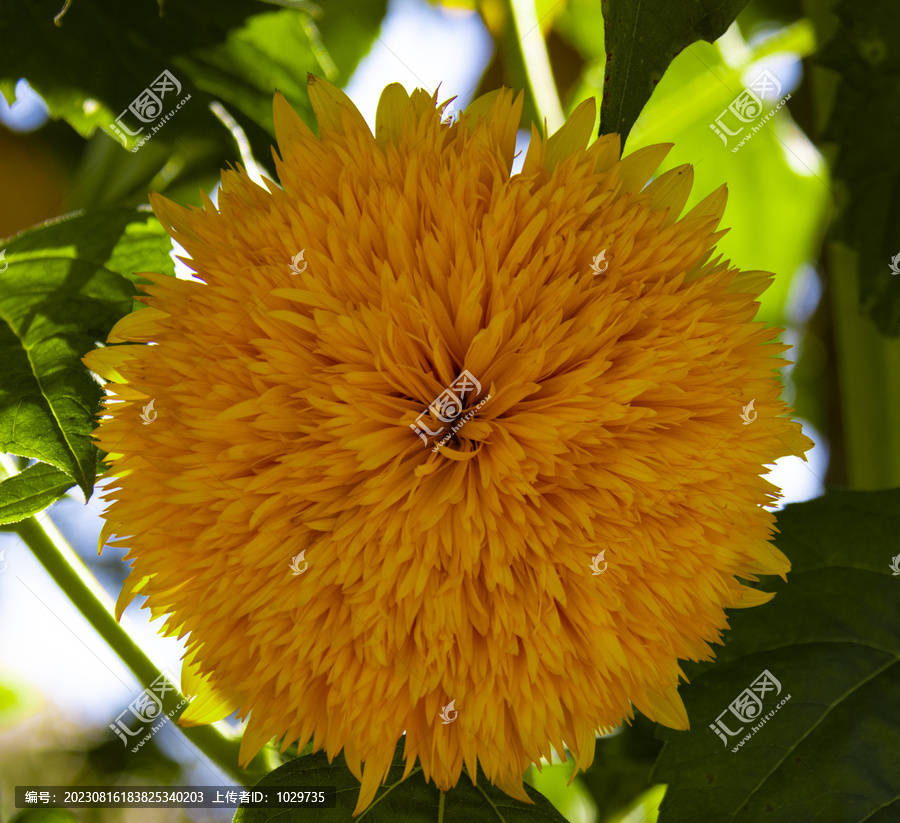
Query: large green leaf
point(67, 283)
point(864, 125)
point(642, 38)
point(831, 637)
point(410, 801)
point(31, 491)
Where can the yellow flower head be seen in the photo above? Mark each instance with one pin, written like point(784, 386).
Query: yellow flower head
point(339, 578)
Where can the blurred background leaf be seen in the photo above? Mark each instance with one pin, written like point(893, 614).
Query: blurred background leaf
point(237, 56)
point(620, 773)
point(855, 79)
point(865, 52)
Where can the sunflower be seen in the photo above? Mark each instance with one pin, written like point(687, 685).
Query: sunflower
point(343, 582)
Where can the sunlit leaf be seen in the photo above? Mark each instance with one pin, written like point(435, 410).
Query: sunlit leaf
point(778, 196)
point(31, 491)
point(67, 282)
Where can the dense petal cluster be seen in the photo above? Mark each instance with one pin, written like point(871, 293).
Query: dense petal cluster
point(616, 354)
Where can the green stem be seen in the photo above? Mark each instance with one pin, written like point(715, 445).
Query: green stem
point(537, 62)
point(82, 589)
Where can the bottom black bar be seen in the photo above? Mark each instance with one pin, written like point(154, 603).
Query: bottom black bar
point(175, 797)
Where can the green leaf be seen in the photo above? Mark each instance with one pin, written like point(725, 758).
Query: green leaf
point(67, 283)
point(642, 38)
point(31, 491)
point(410, 801)
point(831, 638)
point(776, 227)
point(864, 124)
